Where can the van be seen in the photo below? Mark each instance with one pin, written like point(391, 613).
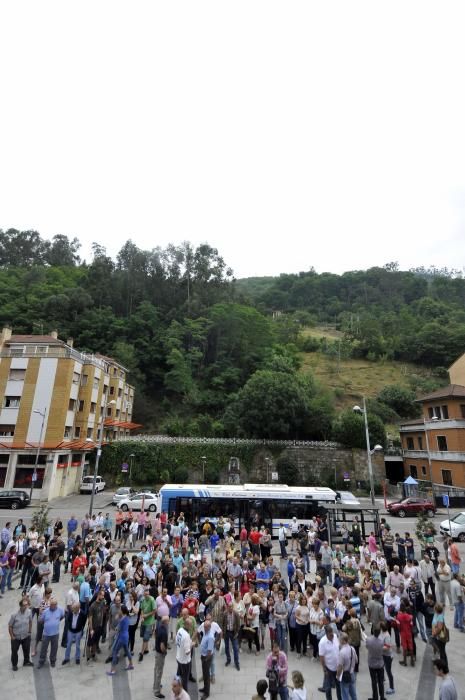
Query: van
point(86, 484)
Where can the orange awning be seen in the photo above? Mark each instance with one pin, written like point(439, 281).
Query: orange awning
point(111, 423)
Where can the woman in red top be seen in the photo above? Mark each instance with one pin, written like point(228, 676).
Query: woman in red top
point(405, 624)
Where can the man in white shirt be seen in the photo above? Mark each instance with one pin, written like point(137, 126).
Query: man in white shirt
point(282, 537)
point(328, 650)
point(71, 599)
point(391, 607)
point(294, 533)
point(177, 691)
point(184, 652)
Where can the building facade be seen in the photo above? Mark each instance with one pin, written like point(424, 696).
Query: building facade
point(434, 445)
point(56, 403)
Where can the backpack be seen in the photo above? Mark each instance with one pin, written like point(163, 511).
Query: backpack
point(273, 679)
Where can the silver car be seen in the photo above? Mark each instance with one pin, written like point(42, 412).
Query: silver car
point(135, 502)
point(123, 492)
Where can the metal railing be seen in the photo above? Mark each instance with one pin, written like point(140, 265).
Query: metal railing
point(168, 440)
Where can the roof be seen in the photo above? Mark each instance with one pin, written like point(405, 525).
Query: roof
point(111, 423)
point(49, 339)
point(44, 446)
point(413, 421)
point(455, 391)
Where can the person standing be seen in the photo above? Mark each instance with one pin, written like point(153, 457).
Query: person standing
point(184, 652)
point(328, 649)
point(121, 642)
point(51, 618)
point(456, 594)
point(346, 666)
point(161, 649)
point(454, 556)
point(177, 690)
point(231, 626)
point(448, 689)
point(148, 609)
point(276, 672)
point(207, 646)
point(440, 633)
point(282, 537)
point(75, 621)
point(444, 576)
point(387, 655)
point(427, 575)
point(375, 647)
point(19, 629)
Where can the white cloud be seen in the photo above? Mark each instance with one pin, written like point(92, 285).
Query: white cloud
point(286, 134)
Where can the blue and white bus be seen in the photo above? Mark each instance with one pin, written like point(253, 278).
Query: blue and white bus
point(257, 504)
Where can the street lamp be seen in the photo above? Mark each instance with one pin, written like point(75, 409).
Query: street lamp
point(204, 459)
point(430, 468)
point(131, 458)
point(99, 452)
point(377, 448)
point(34, 473)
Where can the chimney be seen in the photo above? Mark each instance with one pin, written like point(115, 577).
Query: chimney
point(70, 342)
point(54, 334)
point(5, 334)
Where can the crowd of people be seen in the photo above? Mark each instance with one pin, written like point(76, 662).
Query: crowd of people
point(144, 583)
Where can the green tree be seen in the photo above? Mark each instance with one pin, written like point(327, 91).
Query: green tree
point(400, 400)
point(349, 429)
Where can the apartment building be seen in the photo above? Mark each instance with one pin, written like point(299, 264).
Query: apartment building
point(434, 445)
point(56, 402)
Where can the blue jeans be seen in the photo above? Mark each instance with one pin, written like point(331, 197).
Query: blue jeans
point(458, 615)
point(282, 544)
point(281, 636)
point(120, 644)
point(348, 690)
point(9, 577)
point(455, 568)
point(282, 692)
point(76, 638)
point(228, 637)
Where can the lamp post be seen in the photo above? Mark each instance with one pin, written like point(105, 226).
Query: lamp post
point(430, 467)
point(34, 473)
point(267, 460)
point(99, 452)
point(131, 459)
point(377, 448)
point(204, 459)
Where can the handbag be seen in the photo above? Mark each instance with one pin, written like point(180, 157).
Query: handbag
point(443, 635)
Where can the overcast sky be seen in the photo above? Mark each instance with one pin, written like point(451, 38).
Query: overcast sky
point(286, 134)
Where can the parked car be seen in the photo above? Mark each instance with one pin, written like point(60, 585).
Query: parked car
point(14, 499)
point(135, 502)
point(86, 484)
point(121, 493)
point(457, 527)
point(411, 506)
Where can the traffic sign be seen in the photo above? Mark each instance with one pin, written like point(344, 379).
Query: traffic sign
point(34, 476)
point(346, 476)
point(445, 500)
point(125, 467)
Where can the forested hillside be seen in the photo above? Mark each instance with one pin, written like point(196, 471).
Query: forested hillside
point(205, 352)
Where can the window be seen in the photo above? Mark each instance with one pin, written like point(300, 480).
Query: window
point(120, 391)
point(93, 406)
point(414, 471)
point(84, 379)
point(442, 443)
point(98, 433)
point(112, 390)
point(462, 410)
point(67, 433)
point(423, 471)
point(89, 432)
point(12, 401)
point(410, 445)
point(77, 432)
point(81, 406)
point(76, 377)
point(96, 383)
point(62, 461)
point(72, 405)
point(117, 412)
point(17, 375)
point(108, 410)
point(445, 412)
point(7, 430)
point(30, 459)
point(420, 443)
point(76, 459)
point(446, 477)
point(23, 477)
point(430, 412)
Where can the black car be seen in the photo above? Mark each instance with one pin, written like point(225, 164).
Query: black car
point(14, 499)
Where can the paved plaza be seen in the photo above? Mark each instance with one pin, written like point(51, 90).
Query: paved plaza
point(89, 680)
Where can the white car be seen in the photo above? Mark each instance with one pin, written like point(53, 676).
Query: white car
point(457, 527)
point(86, 484)
point(135, 502)
point(122, 493)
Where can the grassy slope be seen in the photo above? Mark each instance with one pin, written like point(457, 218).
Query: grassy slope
point(352, 379)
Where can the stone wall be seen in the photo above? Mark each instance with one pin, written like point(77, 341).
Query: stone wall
point(314, 466)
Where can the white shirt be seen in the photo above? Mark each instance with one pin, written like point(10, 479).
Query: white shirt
point(215, 628)
point(294, 526)
point(183, 646)
point(330, 650)
point(71, 597)
point(282, 534)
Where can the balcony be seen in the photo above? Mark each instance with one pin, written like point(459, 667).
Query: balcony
point(446, 424)
point(435, 455)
